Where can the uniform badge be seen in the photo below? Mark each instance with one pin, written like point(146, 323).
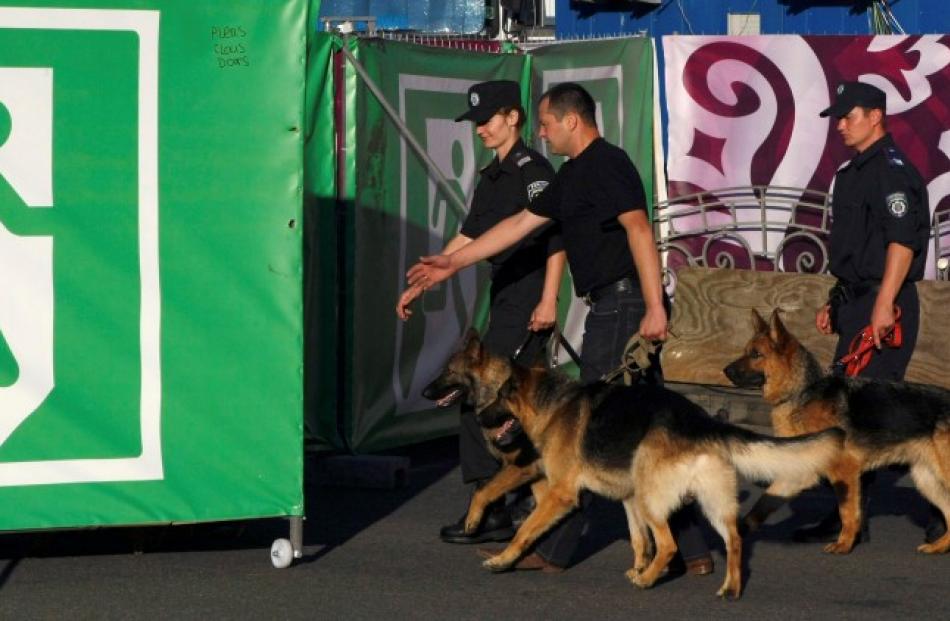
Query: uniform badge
point(840, 88)
point(535, 188)
point(473, 99)
point(897, 204)
point(523, 161)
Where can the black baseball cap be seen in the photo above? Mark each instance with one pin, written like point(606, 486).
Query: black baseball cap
point(487, 98)
point(851, 94)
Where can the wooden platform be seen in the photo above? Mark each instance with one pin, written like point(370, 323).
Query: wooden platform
point(711, 322)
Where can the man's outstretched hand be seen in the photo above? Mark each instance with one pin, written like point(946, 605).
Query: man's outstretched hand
point(430, 271)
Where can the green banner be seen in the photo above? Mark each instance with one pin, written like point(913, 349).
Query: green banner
point(151, 313)
point(399, 215)
point(618, 73)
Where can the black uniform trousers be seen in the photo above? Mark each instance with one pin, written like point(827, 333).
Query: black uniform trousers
point(512, 303)
point(851, 316)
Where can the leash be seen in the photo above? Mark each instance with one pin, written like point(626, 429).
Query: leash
point(862, 348)
point(558, 339)
point(635, 358)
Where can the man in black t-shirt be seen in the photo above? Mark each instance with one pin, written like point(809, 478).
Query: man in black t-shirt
point(599, 200)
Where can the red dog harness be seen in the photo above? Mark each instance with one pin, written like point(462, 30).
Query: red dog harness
point(862, 346)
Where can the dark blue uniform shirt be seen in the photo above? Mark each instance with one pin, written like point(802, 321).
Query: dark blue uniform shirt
point(505, 188)
point(879, 198)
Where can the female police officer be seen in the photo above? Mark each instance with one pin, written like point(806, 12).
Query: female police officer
point(525, 278)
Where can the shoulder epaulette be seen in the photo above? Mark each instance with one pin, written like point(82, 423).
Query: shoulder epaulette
point(523, 158)
point(894, 158)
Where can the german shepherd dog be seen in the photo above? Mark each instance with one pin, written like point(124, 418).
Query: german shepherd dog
point(884, 422)
point(504, 438)
point(646, 446)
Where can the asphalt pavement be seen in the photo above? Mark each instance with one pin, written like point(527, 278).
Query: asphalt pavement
point(375, 554)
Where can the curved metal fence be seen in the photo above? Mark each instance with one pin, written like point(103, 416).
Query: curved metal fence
point(760, 227)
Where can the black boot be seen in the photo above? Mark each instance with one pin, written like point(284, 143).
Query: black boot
point(496, 526)
point(521, 508)
point(936, 527)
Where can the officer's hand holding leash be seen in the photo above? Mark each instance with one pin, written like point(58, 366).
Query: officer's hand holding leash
point(882, 321)
point(823, 320)
point(543, 316)
point(653, 326)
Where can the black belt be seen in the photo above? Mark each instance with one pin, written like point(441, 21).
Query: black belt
point(846, 292)
point(624, 285)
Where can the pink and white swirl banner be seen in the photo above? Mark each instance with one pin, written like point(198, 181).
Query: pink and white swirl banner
point(744, 110)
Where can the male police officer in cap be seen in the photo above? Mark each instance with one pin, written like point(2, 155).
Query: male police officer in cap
point(879, 235)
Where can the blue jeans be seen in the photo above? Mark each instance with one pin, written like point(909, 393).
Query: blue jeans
point(610, 323)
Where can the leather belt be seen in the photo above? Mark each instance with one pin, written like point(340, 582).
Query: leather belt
point(624, 285)
point(844, 292)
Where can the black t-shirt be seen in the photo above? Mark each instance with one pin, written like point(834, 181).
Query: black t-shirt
point(586, 196)
point(879, 198)
point(504, 189)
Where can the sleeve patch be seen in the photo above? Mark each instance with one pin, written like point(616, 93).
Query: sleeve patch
point(897, 204)
point(536, 188)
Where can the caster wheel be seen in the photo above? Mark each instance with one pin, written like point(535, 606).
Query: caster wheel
point(281, 553)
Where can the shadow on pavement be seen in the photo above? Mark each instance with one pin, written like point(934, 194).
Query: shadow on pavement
point(334, 515)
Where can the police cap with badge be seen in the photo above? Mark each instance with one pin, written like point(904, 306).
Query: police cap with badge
point(485, 99)
point(849, 95)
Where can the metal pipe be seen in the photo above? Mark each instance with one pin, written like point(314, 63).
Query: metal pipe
point(440, 179)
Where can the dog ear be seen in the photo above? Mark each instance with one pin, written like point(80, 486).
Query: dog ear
point(472, 345)
point(777, 331)
point(758, 324)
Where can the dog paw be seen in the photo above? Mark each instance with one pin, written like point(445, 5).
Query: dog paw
point(638, 579)
point(496, 564)
point(932, 548)
point(838, 548)
point(729, 592)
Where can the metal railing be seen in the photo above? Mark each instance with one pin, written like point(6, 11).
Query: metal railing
point(765, 228)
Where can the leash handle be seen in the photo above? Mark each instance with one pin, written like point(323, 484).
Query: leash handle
point(557, 340)
point(862, 347)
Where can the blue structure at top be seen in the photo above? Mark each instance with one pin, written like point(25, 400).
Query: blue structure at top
point(814, 17)
point(437, 16)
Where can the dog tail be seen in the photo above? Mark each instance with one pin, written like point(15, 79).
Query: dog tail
point(801, 458)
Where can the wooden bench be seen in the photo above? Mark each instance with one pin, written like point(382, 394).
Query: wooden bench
point(711, 322)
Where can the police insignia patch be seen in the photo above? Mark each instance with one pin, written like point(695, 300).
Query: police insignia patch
point(897, 204)
point(536, 188)
point(473, 99)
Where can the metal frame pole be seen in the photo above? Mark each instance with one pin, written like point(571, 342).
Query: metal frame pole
point(434, 170)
